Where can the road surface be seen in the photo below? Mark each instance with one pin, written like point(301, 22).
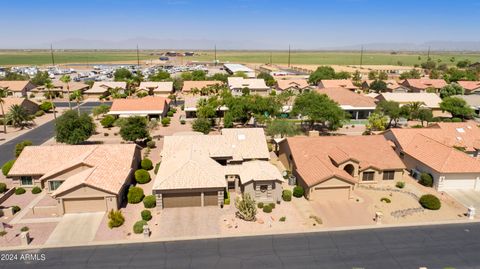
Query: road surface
point(441, 246)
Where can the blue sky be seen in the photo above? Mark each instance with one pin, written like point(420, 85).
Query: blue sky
point(261, 23)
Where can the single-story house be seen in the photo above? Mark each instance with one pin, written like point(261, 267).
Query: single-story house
point(449, 167)
point(102, 89)
point(429, 100)
point(392, 85)
point(337, 83)
point(190, 107)
point(358, 105)
point(424, 84)
point(163, 89)
point(30, 106)
point(473, 100)
point(471, 87)
point(236, 68)
point(294, 85)
point(61, 88)
point(82, 178)
point(197, 169)
point(149, 106)
point(329, 167)
point(189, 85)
point(255, 85)
point(17, 88)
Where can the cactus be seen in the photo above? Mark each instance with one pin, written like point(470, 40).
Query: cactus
point(247, 208)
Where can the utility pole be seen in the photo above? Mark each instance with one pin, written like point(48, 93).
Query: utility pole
point(361, 56)
point(51, 52)
point(428, 54)
point(270, 58)
point(289, 55)
point(138, 58)
point(215, 53)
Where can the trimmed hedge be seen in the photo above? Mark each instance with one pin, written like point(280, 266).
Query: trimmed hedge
point(20, 191)
point(165, 122)
point(267, 209)
point(147, 164)
point(3, 187)
point(298, 191)
point(170, 114)
point(16, 209)
point(260, 205)
point(135, 195)
point(430, 201)
point(150, 201)
point(138, 226)
point(426, 180)
point(146, 215)
point(287, 195)
point(7, 166)
point(142, 176)
point(36, 190)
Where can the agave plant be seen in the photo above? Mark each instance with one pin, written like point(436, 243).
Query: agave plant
point(247, 208)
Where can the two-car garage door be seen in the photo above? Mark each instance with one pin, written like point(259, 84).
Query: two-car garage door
point(82, 205)
point(189, 199)
point(458, 184)
point(330, 194)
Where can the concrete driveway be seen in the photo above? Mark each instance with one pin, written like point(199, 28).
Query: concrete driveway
point(76, 228)
point(189, 221)
point(466, 197)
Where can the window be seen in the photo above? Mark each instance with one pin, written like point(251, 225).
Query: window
point(388, 175)
point(368, 176)
point(26, 180)
point(55, 184)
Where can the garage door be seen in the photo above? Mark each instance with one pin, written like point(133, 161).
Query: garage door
point(82, 205)
point(181, 199)
point(331, 194)
point(458, 184)
point(211, 198)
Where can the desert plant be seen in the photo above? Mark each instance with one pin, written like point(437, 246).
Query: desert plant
point(151, 144)
point(430, 201)
point(165, 122)
point(39, 113)
point(147, 164)
point(146, 215)
point(170, 114)
point(3, 233)
point(260, 205)
point(115, 219)
point(36, 190)
point(283, 219)
point(150, 201)
point(426, 180)
point(316, 218)
point(138, 226)
point(182, 122)
point(267, 209)
point(400, 185)
point(298, 191)
point(3, 187)
point(272, 205)
point(246, 207)
point(157, 166)
point(107, 121)
point(24, 229)
point(287, 195)
point(135, 195)
point(386, 200)
point(142, 176)
point(7, 166)
point(20, 191)
point(16, 209)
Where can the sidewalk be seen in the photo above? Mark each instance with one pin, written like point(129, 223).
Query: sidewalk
point(25, 210)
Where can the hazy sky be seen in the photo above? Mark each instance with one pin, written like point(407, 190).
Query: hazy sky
point(260, 23)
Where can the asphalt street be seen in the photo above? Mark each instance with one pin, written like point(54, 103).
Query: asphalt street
point(441, 246)
point(38, 135)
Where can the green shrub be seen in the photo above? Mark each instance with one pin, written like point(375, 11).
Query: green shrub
point(157, 166)
point(3, 233)
point(3, 187)
point(400, 185)
point(39, 113)
point(182, 122)
point(20, 146)
point(386, 200)
point(430, 201)
point(174, 110)
point(447, 120)
point(146, 215)
point(202, 125)
point(151, 144)
point(456, 120)
point(165, 122)
point(147, 164)
point(226, 198)
point(135, 195)
point(170, 114)
point(142, 176)
point(260, 205)
point(287, 195)
point(107, 121)
point(20, 191)
point(267, 209)
point(45, 106)
point(115, 219)
point(298, 191)
point(24, 229)
point(7, 166)
point(36, 190)
point(16, 209)
point(138, 226)
point(426, 180)
point(150, 201)
point(272, 205)
point(283, 219)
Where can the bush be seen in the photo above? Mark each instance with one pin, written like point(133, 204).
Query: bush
point(202, 125)
point(3, 233)
point(426, 180)
point(174, 110)
point(287, 195)
point(182, 122)
point(147, 164)
point(20, 191)
point(105, 134)
point(260, 205)
point(7, 166)
point(170, 114)
point(283, 219)
point(298, 191)
point(226, 198)
point(165, 122)
point(150, 201)
point(142, 176)
point(138, 226)
point(386, 200)
point(430, 201)
point(400, 185)
point(16, 209)
point(135, 195)
point(157, 166)
point(456, 120)
point(45, 106)
point(36, 190)
point(3, 187)
point(115, 219)
point(151, 144)
point(272, 205)
point(20, 146)
point(24, 229)
point(39, 113)
point(267, 209)
point(146, 215)
point(107, 121)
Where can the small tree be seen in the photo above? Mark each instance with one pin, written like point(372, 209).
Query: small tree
point(72, 128)
point(246, 206)
point(457, 107)
point(202, 125)
point(115, 219)
point(134, 128)
point(135, 195)
point(282, 127)
point(376, 122)
point(107, 121)
point(425, 115)
point(100, 110)
point(20, 146)
point(378, 86)
point(451, 89)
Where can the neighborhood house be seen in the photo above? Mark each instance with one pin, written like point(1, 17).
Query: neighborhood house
point(254, 85)
point(359, 106)
point(424, 84)
point(149, 106)
point(337, 83)
point(102, 89)
point(296, 86)
point(18, 88)
point(163, 89)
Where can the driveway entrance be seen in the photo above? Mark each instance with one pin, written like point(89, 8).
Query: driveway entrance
point(76, 228)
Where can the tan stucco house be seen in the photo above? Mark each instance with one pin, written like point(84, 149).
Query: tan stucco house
point(60, 88)
point(149, 106)
point(30, 106)
point(82, 178)
point(197, 170)
point(163, 88)
point(296, 86)
point(102, 88)
point(17, 88)
point(254, 85)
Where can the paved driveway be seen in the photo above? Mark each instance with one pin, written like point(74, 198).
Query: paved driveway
point(189, 221)
point(466, 197)
point(76, 229)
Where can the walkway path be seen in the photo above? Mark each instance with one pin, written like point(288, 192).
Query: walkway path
point(25, 210)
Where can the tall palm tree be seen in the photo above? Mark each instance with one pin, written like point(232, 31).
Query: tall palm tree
point(18, 116)
point(66, 79)
point(3, 94)
point(78, 97)
point(49, 86)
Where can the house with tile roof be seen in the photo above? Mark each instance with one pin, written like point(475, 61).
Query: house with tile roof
point(470, 86)
point(82, 178)
point(337, 83)
point(358, 105)
point(60, 88)
point(17, 88)
point(188, 85)
point(30, 106)
point(148, 106)
point(163, 89)
point(296, 86)
point(428, 100)
point(102, 88)
point(424, 84)
point(254, 85)
point(329, 167)
point(392, 85)
point(197, 169)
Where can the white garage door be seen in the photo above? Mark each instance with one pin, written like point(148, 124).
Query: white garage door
point(458, 184)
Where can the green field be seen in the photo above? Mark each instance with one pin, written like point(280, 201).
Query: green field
point(277, 57)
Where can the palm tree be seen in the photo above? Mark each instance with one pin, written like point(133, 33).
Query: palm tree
point(77, 96)
point(3, 94)
point(18, 116)
point(66, 79)
point(49, 86)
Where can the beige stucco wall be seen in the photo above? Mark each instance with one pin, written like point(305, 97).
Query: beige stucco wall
point(272, 195)
point(36, 182)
